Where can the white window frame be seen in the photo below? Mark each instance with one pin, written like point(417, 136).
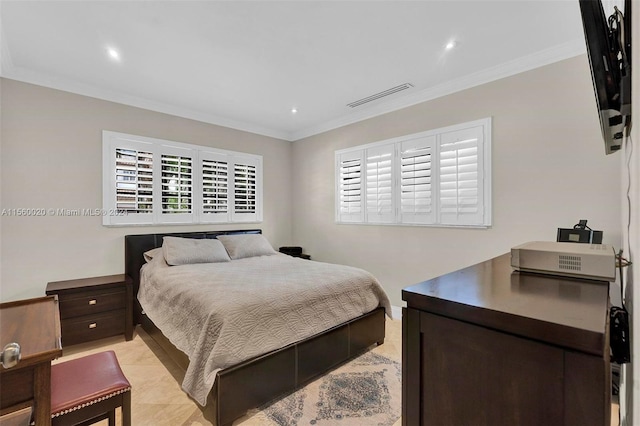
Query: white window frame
point(426, 211)
point(157, 147)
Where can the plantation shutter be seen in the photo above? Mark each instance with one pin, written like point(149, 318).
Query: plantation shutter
point(151, 181)
point(350, 189)
point(461, 177)
point(128, 179)
point(440, 177)
point(133, 180)
point(215, 188)
point(416, 160)
point(176, 190)
point(379, 184)
point(245, 190)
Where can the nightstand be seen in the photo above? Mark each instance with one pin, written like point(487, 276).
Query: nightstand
point(94, 308)
point(294, 251)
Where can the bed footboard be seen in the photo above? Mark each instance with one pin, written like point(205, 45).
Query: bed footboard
point(263, 379)
point(260, 380)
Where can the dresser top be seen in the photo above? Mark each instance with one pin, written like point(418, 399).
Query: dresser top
point(84, 283)
point(35, 325)
point(564, 311)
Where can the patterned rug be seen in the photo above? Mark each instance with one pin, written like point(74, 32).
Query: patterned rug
point(365, 391)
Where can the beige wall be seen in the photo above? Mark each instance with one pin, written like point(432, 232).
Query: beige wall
point(549, 171)
point(52, 158)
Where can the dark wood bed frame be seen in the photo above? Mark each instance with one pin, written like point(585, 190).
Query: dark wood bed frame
point(265, 378)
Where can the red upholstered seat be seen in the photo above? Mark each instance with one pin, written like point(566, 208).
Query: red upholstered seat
point(89, 388)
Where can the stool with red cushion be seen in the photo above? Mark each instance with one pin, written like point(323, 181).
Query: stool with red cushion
point(89, 389)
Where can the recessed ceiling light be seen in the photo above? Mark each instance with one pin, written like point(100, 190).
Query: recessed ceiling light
point(113, 53)
point(294, 110)
point(451, 45)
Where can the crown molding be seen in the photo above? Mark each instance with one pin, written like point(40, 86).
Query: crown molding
point(545, 57)
point(539, 59)
point(28, 76)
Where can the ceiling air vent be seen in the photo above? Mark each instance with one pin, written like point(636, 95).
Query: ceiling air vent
point(380, 95)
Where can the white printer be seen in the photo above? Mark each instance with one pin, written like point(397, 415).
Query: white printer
point(590, 261)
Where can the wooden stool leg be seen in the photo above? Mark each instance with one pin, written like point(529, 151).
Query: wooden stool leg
point(126, 409)
point(112, 417)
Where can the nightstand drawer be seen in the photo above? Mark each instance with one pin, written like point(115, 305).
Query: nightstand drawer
point(91, 302)
point(92, 327)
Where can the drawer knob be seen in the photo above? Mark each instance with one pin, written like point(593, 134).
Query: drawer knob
point(92, 302)
point(93, 325)
point(10, 355)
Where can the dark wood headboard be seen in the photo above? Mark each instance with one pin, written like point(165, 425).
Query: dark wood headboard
point(136, 245)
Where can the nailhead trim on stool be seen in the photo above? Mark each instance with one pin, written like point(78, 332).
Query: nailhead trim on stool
point(83, 382)
point(86, 404)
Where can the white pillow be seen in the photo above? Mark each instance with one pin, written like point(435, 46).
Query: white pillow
point(185, 251)
point(246, 245)
point(149, 255)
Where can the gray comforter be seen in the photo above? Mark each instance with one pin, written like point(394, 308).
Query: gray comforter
point(220, 314)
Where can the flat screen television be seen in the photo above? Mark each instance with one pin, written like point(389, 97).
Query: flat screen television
point(609, 50)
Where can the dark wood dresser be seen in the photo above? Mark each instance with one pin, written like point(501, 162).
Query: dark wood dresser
point(488, 346)
point(94, 308)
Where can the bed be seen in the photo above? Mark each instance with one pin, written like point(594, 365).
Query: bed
point(279, 368)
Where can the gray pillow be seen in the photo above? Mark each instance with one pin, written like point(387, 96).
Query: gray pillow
point(246, 245)
point(185, 251)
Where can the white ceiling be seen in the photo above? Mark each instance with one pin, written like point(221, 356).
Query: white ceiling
point(246, 64)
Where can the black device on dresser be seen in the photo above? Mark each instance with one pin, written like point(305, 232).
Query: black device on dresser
point(94, 308)
point(580, 233)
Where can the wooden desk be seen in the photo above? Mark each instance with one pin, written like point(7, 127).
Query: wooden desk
point(488, 346)
point(35, 325)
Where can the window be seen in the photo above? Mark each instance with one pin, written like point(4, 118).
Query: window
point(176, 185)
point(152, 181)
point(460, 189)
point(440, 177)
point(415, 180)
point(350, 187)
point(245, 185)
point(379, 178)
point(134, 180)
point(215, 184)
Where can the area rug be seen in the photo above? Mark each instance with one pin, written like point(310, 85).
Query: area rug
point(365, 391)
